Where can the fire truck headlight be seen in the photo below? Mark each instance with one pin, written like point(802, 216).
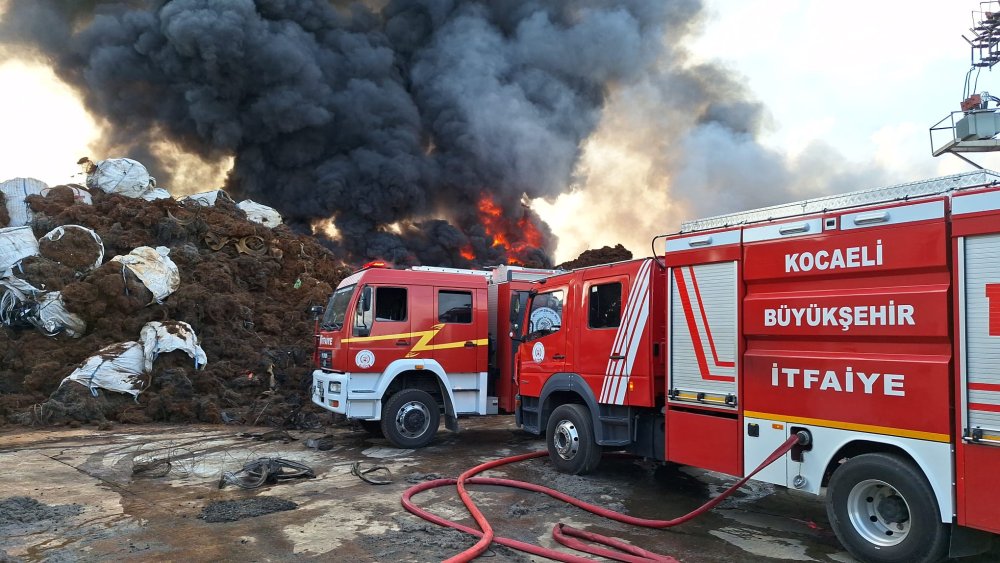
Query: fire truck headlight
point(334, 387)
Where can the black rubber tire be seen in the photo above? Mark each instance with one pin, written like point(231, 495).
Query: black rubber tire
point(927, 538)
point(373, 427)
point(573, 418)
point(423, 412)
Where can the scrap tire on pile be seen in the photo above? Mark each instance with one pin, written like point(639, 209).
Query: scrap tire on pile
point(410, 418)
point(883, 510)
point(569, 436)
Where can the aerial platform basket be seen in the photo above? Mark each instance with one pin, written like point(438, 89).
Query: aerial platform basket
point(966, 131)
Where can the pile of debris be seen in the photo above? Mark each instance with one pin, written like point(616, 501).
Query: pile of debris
point(192, 309)
point(597, 256)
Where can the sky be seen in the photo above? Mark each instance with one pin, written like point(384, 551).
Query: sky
point(866, 78)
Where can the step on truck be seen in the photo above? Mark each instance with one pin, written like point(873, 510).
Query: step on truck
point(868, 321)
point(398, 350)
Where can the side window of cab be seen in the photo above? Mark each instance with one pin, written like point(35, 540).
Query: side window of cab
point(390, 304)
point(546, 313)
point(604, 305)
point(454, 307)
point(379, 304)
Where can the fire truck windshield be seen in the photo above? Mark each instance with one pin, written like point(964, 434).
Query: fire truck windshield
point(336, 309)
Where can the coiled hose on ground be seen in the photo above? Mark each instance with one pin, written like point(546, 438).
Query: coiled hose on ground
point(565, 535)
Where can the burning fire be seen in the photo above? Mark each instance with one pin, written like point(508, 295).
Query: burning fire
point(516, 237)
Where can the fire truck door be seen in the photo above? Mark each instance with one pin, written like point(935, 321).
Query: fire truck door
point(702, 367)
point(380, 330)
point(604, 351)
point(543, 352)
point(703, 321)
point(457, 342)
point(978, 453)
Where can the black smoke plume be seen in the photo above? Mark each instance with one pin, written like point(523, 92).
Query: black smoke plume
point(392, 118)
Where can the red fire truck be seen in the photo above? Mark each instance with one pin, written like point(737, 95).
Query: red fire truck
point(869, 321)
point(396, 349)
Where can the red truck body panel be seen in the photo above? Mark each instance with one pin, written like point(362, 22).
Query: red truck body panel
point(612, 350)
point(850, 327)
point(975, 224)
point(419, 332)
point(460, 319)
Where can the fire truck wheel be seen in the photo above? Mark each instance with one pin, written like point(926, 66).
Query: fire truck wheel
point(883, 510)
point(570, 439)
point(410, 418)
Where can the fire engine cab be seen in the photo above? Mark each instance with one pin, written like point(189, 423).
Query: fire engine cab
point(396, 349)
point(869, 322)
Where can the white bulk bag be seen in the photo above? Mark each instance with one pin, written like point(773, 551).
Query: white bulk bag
point(53, 317)
point(155, 194)
point(16, 244)
point(80, 195)
point(120, 176)
point(16, 191)
point(14, 292)
point(58, 233)
point(116, 368)
point(159, 338)
point(258, 213)
point(208, 198)
point(156, 270)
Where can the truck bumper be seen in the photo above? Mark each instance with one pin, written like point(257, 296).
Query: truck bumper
point(333, 392)
point(329, 390)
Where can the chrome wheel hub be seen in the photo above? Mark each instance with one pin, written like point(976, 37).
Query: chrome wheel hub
point(566, 440)
point(413, 419)
point(879, 512)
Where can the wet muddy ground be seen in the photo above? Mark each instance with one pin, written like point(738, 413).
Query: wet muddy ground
point(74, 495)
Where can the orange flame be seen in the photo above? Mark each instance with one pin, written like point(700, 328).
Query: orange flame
point(467, 252)
point(516, 237)
point(532, 236)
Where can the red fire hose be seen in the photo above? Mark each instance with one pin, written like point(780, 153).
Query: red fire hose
point(565, 535)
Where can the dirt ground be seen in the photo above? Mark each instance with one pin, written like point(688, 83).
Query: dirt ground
point(73, 495)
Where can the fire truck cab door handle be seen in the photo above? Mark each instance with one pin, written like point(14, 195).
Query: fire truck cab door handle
point(470, 344)
point(402, 343)
point(617, 357)
point(559, 357)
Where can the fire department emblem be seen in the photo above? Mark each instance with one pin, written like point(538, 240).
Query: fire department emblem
point(365, 359)
point(538, 352)
point(544, 319)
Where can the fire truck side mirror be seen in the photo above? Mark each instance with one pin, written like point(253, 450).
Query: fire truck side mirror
point(518, 303)
point(366, 300)
point(317, 311)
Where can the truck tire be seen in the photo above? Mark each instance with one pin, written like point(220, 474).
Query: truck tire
point(883, 510)
point(570, 439)
point(410, 418)
point(373, 427)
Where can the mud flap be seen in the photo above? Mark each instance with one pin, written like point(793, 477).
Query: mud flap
point(451, 422)
point(967, 541)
